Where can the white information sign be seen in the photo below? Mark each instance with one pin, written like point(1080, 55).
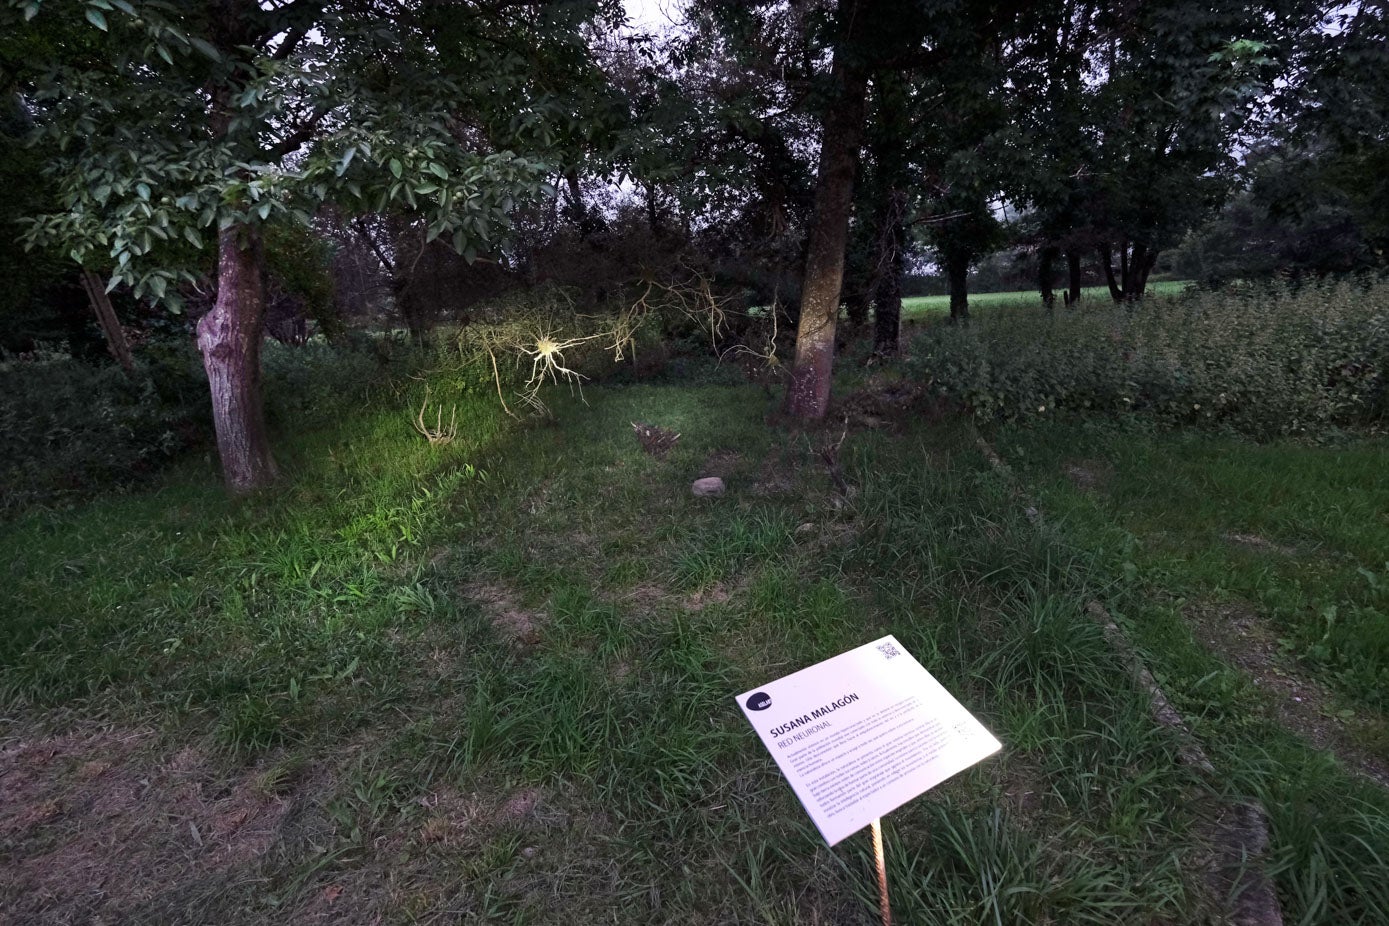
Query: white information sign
point(859, 735)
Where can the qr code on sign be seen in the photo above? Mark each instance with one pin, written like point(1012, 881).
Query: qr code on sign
point(888, 650)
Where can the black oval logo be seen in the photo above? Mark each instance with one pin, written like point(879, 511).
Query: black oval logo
point(760, 701)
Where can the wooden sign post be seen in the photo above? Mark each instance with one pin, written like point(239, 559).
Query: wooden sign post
point(878, 857)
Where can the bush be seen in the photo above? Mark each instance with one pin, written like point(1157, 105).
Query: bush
point(1262, 362)
point(310, 385)
point(67, 426)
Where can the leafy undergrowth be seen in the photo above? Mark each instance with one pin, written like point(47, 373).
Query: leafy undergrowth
point(492, 682)
point(1262, 362)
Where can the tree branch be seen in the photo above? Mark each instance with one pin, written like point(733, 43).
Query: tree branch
point(290, 43)
point(376, 248)
point(300, 135)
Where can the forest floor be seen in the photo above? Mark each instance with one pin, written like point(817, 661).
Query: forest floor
point(492, 682)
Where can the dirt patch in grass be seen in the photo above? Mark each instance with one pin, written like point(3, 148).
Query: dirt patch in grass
point(698, 600)
point(885, 402)
point(96, 827)
point(721, 463)
point(519, 626)
point(776, 474)
point(649, 600)
point(818, 537)
point(1259, 544)
point(1088, 475)
point(1247, 641)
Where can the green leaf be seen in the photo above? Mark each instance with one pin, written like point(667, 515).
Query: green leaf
point(438, 170)
point(193, 237)
point(396, 168)
point(347, 157)
point(97, 18)
point(264, 209)
point(143, 191)
point(205, 47)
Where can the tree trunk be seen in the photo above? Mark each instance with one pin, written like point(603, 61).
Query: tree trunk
point(1148, 264)
point(229, 337)
point(1046, 261)
point(116, 341)
point(957, 270)
point(1134, 260)
point(1073, 275)
point(412, 310)
point(856, 306)
point(1107, 262)
point(578, 212)
point(808, 396)
point(653, 214)
point(887, 308)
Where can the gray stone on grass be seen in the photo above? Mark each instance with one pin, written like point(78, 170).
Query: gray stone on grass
point(708, 487)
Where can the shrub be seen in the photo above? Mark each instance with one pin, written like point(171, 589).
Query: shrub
point(1262, 362)
point(67, 426)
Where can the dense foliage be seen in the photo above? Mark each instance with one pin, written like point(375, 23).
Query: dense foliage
point(69, 429)
point(1260, 360)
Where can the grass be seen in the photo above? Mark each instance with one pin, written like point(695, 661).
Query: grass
point(928, 306)
point(1294, 531)
point(1249, 575)
point(492, 682)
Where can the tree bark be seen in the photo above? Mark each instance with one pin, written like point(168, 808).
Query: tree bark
point(1073, 277)
point(807, 398)
point(957, 270)
point(1125, 280)
point(653, 214)
point(1107, 262)
point(412, 310)
point(229, 337)
point(1135, 263)
point(1148, 264)
point(887, 308)
point(116, 341)
point(1046, 262)
point(578, 212)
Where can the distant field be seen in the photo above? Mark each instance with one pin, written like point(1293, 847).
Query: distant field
point(940, 305)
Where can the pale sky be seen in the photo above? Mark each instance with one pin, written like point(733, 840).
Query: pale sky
point(652, 14)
